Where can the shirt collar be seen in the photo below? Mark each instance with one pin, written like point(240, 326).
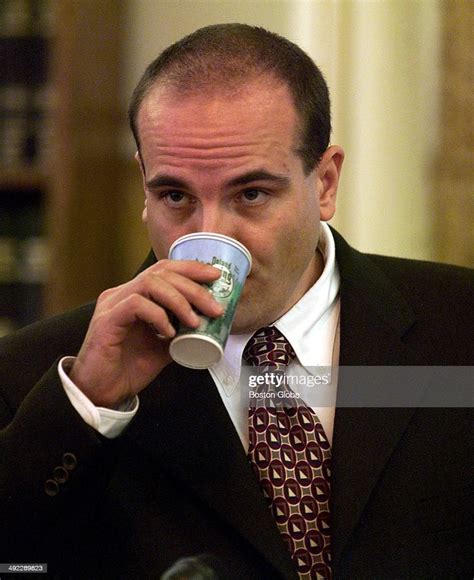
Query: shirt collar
point(300, 324)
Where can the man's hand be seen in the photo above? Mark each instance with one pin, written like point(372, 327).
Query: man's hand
point(122, 353)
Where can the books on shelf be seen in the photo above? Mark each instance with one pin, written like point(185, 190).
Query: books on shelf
point(25, 91)
point(26, 17)
point(23, 259)
point(25, 125)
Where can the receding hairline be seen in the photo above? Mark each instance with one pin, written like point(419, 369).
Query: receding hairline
point(260, 80)
point(224, 55)
point(222, 83)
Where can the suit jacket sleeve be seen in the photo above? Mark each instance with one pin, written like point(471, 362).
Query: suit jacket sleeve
point(52, 465)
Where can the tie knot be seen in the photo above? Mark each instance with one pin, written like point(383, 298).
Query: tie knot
point(270, 349)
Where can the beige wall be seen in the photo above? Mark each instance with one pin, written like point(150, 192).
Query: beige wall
point(381, 61)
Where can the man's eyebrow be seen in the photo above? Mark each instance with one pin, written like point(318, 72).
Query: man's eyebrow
point(165, 181)
point(259, 175)
point(244, 179)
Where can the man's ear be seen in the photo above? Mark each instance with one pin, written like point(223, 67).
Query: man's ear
point(328, 174)
point(142, 170)
point(138, 159)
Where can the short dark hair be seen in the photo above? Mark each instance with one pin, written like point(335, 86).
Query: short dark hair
point(216, 55)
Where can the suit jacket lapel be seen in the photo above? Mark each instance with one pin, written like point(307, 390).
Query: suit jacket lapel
point(203, 450)
point(374, 318)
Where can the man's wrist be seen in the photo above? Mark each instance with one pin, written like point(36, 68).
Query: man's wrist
point(108, 422)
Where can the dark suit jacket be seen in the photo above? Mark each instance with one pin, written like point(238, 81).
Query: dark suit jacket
point(178, 483)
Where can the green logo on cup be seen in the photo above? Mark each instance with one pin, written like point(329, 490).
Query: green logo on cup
point(222, 287)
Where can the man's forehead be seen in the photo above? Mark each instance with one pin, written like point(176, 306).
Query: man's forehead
point(259, 94)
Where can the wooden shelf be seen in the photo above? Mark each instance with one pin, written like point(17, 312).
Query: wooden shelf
point(81, 185)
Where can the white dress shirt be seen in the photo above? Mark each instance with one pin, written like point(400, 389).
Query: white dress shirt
point(311, 326)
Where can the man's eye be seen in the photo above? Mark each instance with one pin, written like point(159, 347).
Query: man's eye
point(253, 196)
point(175, 198)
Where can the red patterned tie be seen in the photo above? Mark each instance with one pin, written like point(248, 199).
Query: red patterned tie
point(290, 455)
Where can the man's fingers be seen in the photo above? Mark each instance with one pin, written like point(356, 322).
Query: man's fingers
point(181, 296)
point(147, 282)
point(167, 288)
point(136, 308)
point(189, 268)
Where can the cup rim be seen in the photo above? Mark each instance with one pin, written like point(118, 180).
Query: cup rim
point(213, 236)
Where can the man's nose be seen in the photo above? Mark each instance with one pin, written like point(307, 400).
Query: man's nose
point(216, 221)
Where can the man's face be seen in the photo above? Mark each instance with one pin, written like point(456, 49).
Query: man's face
point(228, 165)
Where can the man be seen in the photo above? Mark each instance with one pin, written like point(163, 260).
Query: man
point(116, 462)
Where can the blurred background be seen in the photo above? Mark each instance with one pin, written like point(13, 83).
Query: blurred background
point(400, 74)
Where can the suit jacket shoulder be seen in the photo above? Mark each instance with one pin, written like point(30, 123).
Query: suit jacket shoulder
point(429, 306)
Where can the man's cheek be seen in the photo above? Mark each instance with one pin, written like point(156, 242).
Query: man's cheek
point(246, 292)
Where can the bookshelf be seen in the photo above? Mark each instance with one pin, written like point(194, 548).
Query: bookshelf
point(25, 138)
point(60, 165)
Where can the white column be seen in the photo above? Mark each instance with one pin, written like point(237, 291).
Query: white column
point(388, 108)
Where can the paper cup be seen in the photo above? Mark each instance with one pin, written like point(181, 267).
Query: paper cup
point(203, 347)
